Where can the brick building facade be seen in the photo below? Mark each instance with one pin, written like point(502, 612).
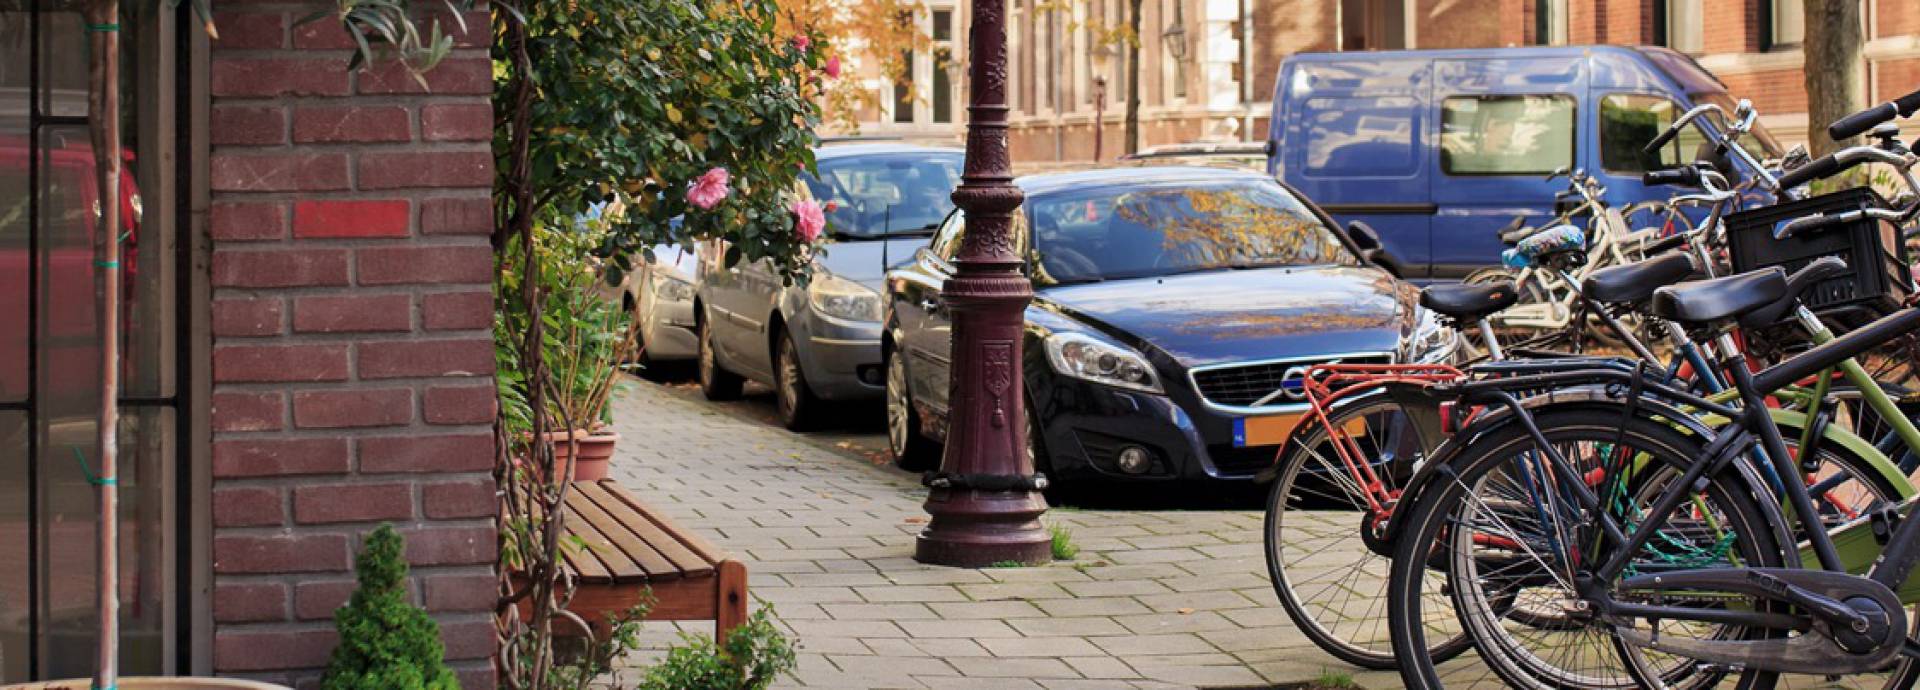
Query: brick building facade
point(1193, 59)
point(350, 345)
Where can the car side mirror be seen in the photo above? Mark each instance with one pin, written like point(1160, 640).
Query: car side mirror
point(1367, 240)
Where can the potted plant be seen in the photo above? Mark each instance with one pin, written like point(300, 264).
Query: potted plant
point(586, 339)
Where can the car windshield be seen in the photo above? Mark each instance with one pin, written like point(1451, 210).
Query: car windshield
point(1137, 231)
point(889, 194)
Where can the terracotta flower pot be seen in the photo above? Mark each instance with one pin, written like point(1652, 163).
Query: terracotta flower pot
point(593, 455)
point(152, 684)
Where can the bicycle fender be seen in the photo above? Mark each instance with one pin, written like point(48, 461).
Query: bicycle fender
point(1417, 398)
point(1439, 463)
point(1793, 421)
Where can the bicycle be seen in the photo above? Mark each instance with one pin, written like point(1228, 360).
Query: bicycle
point(1680, 565)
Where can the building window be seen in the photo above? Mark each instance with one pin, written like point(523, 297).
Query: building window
point(1678, 24)
point(1373, 24)
point(1506, 135)
point(1177, 44)
point(903, 90)
point(1786, 23)
point(1045, 72)
point(1628, 122)
point(1550, 22)
point(943, 66)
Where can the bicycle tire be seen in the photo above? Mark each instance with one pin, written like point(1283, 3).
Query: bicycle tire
point(1300, 468)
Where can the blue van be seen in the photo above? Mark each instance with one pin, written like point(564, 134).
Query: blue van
point(1439, 149)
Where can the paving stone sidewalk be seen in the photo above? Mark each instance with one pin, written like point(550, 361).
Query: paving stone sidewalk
point(1156, 599)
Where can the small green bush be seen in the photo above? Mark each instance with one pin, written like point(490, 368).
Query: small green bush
point(386, 643)
point(1063, 547)
point(755, 655)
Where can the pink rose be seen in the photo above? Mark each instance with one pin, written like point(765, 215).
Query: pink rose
point(833, 66)
point(801, 42)
point(807, 220)
point(707, 191)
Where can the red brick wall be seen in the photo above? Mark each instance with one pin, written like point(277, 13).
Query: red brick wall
point(351, 351)
point(1730, 26)
point(1462, 24)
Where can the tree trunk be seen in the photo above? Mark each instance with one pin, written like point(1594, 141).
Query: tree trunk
point(1835, 86)
point(1133, 77)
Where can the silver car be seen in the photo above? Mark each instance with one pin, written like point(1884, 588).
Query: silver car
point(819, 343)
point(660, 294)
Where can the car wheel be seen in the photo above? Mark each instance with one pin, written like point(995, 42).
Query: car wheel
point(911, 451)
point(799, 408)
point(715, 382)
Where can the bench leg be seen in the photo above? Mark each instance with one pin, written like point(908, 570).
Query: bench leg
point(730, 606)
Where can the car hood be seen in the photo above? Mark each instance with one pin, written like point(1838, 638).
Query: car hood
point(860, 260)
point(1240, 315)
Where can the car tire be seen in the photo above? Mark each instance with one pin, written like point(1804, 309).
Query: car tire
point(912, 451)
point(799, 408)
point(716, 383)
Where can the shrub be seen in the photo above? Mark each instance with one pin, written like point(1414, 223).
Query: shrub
point(755, 655)
point(386, 643)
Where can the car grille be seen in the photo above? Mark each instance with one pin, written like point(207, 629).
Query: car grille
point(1243, 385)
point(1230, 461)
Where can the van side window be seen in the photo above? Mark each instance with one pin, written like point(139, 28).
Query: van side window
point(1362, 137)
point(1506, 135)
point(1628, 121)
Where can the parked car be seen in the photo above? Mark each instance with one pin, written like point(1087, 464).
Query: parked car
point(818, 343)
point(1439, 149)
point(660, 295)
point(1251, 155)
point(1170, 305)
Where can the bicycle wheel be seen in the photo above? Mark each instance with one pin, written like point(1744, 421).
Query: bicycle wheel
point(1324, 553)
point(1495, 537)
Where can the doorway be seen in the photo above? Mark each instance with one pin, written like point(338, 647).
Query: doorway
point(50, 345)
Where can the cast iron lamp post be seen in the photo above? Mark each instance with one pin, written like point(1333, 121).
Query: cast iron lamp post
point(985, 501)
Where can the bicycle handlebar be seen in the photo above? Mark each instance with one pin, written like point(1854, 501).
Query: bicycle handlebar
point(1673, 130)
point(1687, 176)
point(1858, 123)
point(1818, 168)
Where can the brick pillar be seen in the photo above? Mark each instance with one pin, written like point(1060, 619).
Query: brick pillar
point(352, 356)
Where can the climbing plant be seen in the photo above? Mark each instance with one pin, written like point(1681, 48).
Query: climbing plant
point(651, 122)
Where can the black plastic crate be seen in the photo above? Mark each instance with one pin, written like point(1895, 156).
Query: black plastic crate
point(1881, 279)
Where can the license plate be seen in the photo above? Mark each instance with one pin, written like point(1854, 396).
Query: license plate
point(1272, 430)
point(1263, 431)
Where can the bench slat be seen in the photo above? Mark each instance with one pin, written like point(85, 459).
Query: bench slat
point(700, 547)
point(601, 537)
point(647, 534)
point(642, 560)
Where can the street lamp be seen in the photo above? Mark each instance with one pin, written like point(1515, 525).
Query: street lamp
point(1100, 55)
point(985, 502)
point(1175, 38)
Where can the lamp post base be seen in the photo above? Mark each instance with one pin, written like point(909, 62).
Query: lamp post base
point(975, 529)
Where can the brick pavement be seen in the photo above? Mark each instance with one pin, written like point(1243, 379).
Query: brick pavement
point(1156, 599)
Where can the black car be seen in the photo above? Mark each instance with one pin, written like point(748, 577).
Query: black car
point(1170, 305)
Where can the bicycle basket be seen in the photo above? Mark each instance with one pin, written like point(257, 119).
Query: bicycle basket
point(1881, 279)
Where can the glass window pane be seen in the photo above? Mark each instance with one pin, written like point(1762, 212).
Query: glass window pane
point(943, 25)
point(1362, 137)
point(903, 90)
point(15, 638)
point(1506, 135)
point(1628, 122)
point(942, 89)
point(1789, 22)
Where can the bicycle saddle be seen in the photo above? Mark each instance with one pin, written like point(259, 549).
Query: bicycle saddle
point(1706, 301)
point(1468, 303)
point(1636, 281)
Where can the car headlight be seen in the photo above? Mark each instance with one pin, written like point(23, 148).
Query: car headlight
point(840, 298)
point(672, 289)
point(1432, 341)
point(1083, 357)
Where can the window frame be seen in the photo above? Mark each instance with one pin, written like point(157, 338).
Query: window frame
point(1573, 147)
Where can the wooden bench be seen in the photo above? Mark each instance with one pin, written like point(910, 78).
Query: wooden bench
point(633, 549)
